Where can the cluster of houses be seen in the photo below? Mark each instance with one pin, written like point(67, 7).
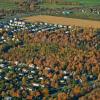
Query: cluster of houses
point(16, 25)
point(30, 77)
point(27, 77)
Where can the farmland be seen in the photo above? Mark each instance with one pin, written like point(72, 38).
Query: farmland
point(7, 4)
point(83, 5)
point(11, 3)
point(64, 21)
point(86, 2)
point(86, 9)
point(81, 2)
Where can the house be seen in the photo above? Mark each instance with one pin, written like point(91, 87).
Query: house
point(20, 74)
point(36, 84)
point(2, 37)
point(1, 29)
point(67, 12)
point(29, 89)
point(11, 21)
point(99, 77)
point(1, 70)
point(62, 81)
point(33, 72)
point(60, 26)
point(6, 78)
point(2, 65)
point(67, 32)
point(8, 98)
point(30, 76)
point(64, 72)
point(5, 40)
point(41, 78)
point(24, 70)
point(37, 67)
point(1, 60)
point(66, 77)
point(31, 65)
point(29, 97)
point(42, 86)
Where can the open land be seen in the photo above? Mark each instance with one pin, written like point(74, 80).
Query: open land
point(82, 11)
point(64, 21)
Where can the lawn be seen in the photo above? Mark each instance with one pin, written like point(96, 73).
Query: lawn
point(7, 5)
point(86, 2)
point(46, 5)
point(82, 2)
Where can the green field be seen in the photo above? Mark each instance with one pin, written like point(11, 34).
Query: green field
point(82, 2)
point(46, 5)
point(7, 5)
point(86, 2)
point(10, 4)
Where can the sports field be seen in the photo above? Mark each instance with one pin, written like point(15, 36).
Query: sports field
point(63, 21)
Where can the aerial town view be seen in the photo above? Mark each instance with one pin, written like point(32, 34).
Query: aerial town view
point(49, 49)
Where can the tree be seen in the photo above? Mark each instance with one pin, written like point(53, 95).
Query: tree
point(62, 96)
point(76, 90)
point(24, 81)
point(45, 92)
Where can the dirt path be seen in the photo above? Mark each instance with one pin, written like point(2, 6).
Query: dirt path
point(63, 21)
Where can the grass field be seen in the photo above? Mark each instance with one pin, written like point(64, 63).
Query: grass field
point(10, 3)
point(46, 5)
point(86, 2)
point(7, 4)
point(82, 2)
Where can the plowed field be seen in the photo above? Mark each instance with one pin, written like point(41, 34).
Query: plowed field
point(63, 21)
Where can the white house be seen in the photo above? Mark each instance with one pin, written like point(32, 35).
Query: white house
point(70, 27)
point(36, 84)
point(37, 67)
point(42, 86)
point(62, 81)
point(11, 21)
point(16, 62)
point(0, 70)
point(65, 77)
point(2, 65)
point(33, 72)
point(31, 65)
point(41, 78)
point(2, 37)
point(30, 76)
point(29, 89)
point(67, 32)
point(1, 29)
point(6, 78)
